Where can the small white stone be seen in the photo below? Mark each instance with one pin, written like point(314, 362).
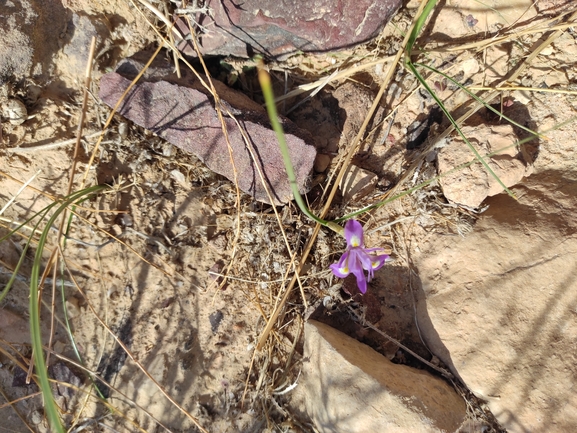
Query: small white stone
point(470, 67)
point(178, 176)
point(15, 111)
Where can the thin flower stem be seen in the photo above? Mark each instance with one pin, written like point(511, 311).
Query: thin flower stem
point(265, 83)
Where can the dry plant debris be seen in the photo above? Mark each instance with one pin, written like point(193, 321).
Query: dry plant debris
point(185, 276)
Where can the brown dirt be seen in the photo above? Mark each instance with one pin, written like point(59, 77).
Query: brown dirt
point(175, 226)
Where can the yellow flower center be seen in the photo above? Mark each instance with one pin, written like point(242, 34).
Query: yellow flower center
point(355, 241)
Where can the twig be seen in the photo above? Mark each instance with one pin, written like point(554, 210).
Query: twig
point(22, 188)
point(131, 356)
point(59, 239)
point(162, 18)
point(113, 112)
point(50, 145)
point(363, 322)
point(272, 320)
point(217, 106)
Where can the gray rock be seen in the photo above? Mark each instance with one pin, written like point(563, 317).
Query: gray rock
point(24, 27)
point(180, 111)
point(79, 33)
point(278, 28)
point(346, 386)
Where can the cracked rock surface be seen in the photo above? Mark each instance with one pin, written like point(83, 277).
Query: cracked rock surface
point(276, 28)
point(180, 111)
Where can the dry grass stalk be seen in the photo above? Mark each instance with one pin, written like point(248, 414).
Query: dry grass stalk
point(131, 356)
point(343, 167)
point(488, 97)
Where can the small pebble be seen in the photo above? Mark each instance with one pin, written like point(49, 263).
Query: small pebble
point(15, 111)
point(215, 320)
point(322, 162)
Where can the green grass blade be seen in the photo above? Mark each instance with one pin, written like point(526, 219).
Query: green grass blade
point(42, 213)
point(427, 182)
point(69, 329)
point(456, 126)
point(419, 23)
point(479, 100)
point(266, 86)
point(453, 170)
point(35, 333)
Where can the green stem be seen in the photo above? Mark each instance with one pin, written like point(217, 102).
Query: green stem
point(409, 64)
point(16, 269)
point(35, 332)
point(266, 86)
point(479, 100)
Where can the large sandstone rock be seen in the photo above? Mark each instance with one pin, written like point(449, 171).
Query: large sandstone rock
point(180, 111)
point(346, 386)
point(277, 28)
point(471, 185)
point(502, 304)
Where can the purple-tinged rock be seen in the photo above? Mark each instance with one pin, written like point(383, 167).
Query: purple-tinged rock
point(278, 28)
point(182, 112)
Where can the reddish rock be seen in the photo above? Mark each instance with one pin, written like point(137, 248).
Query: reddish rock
point(278, 28)
point(180, 111)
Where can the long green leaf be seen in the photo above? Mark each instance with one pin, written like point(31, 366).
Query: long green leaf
point(35, 333)
point(411, 67)
point(419, 23)
point(266, 86)
point(16, 269)
point(479, 100)
point(429, 181)
point(456, 126)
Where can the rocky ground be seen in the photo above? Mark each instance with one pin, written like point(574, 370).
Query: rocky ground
point(171, 277)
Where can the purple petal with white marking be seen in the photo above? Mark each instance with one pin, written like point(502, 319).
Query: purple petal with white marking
point(340, 267)
point(354, 229)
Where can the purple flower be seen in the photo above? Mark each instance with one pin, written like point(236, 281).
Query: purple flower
point(357, 258)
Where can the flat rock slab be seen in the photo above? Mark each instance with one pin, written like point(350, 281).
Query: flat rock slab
point(276, 28)
point(182, 112)
point(471, 185)
point(503, 304)
point(346, 386)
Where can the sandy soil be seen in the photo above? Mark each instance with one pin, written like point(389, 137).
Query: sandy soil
point(143, 261)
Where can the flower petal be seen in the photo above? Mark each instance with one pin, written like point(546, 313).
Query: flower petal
point(361, 279)
point(372, 250)
point(354, 234)
point(341, 268)
point(360, 256)
point(377, 262)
